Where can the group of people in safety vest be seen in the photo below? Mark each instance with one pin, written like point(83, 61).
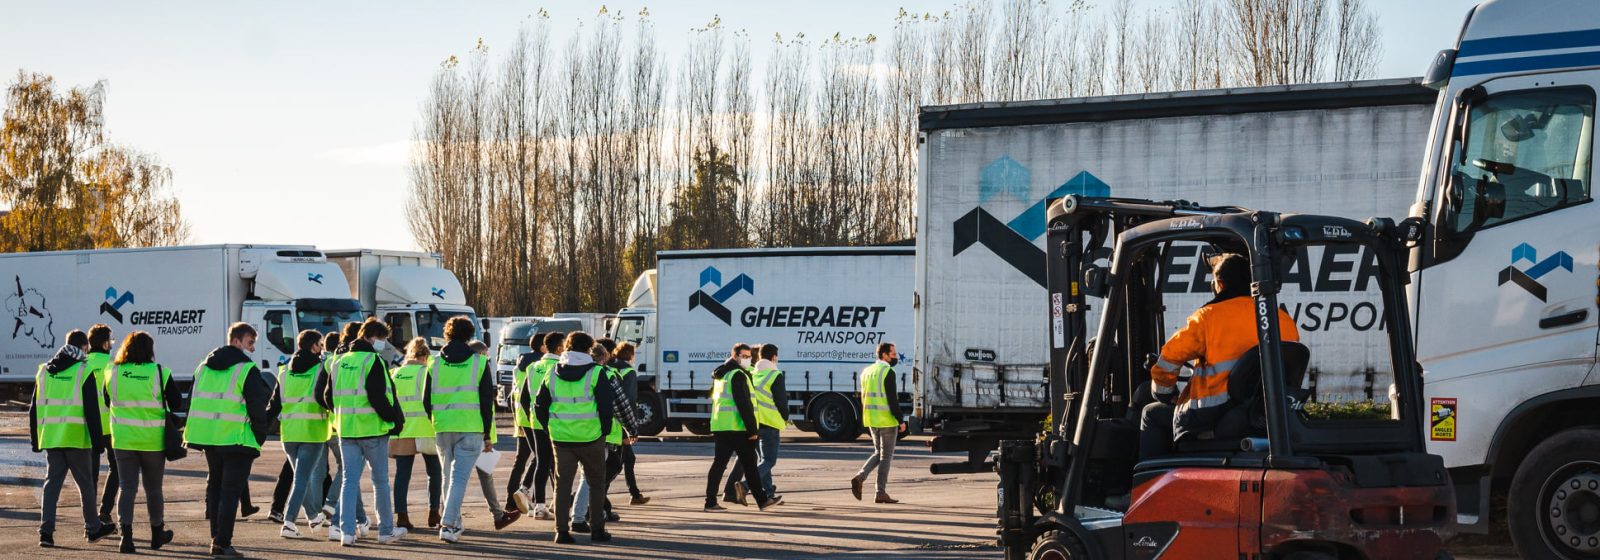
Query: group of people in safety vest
point(337, 396)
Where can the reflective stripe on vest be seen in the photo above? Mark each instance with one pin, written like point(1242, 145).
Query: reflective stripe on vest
point(767, 411)
point(724, 411)
point(302, 420)
point(538, 374)
point(138, 417)
point(454, 397)
point(574, 414)
point(352, 411)
point(217, 412)
point(408, 384)
point(875, 411)
point(58, 400)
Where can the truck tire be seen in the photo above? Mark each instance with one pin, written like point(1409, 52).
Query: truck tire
point(835, 418)
point(1553, 507)
point(1058, 545)
point(652, 413)
point(698, 428)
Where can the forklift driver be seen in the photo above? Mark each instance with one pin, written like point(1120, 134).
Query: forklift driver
point(1214, 336)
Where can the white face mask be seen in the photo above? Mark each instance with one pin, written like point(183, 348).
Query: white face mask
point(744, 362)
point(380, 345)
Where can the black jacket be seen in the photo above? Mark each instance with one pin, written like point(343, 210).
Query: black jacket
point(630, 379)
point(63, 361)
point(604, 399)
point(377, 386)
point(456, 352)
point(740, 387)
point(893, 394)
point(527, 360)
point(257, 400)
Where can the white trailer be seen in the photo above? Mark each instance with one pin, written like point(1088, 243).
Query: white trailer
point(825, 308)
point(185, 297)
point(987, 171)
point(409, 290)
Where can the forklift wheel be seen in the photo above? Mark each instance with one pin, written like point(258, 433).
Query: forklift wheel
point(1058, 545)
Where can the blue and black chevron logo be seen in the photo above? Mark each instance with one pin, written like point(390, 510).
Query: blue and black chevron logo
point(1013, 241)
point(114, 301)
point(713, 302)
point(314, 277)
point(1528, 278)
point(437, 292)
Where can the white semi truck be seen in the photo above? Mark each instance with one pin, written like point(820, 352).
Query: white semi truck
point(987, 171)
point(411, 291)
point(183, 296)
point(825, 308)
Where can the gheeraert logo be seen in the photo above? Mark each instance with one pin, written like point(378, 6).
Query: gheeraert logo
point(1013, 241)
point(1528, 278)
point(713, 302)
point(113, 304)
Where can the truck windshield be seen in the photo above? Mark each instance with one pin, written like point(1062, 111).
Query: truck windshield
point(509, 352)
point(1534, 144)
point(630, 329)
point(326, 316)
point(430, 325)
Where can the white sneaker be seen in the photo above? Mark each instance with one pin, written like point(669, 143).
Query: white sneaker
point(361, 529)
point(327, 511)
point(347, 541)
point(289, 531)
point(450, 534)
point(393, 536)
point(334, 534)
point(318, 521)
point(541, 511)
point(521, 500)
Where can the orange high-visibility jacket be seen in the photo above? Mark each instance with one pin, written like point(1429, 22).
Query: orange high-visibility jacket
point(1214, 337)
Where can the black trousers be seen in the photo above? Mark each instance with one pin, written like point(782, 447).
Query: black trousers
point(226, 474)
point(729, 444)
point(108, 500)
point(535, 459)
point(628, 459)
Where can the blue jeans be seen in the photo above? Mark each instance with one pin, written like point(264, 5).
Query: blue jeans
point(358, 454)
point(310, 462)
point(767, 448)
point(334, 496)
point(458, 451)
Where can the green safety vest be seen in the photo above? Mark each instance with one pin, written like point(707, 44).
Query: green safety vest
point(456, 404)
point(408, 382)
point(768, 413)
point(615, 437)
point(98, 363)
point(217, 413)
point(539, 372)
point(574, 414)
point(875, 411)
point(138, 413)
point(58, 405)
point(724, 412)
point(302, 420)
point(353, 412)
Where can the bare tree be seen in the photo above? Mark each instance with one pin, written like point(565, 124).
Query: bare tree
point(1277, 41)
point(1357, 41)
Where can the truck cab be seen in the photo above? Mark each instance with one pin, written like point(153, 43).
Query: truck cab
point(290, 291)
point(416, 301)
point(1504, 284)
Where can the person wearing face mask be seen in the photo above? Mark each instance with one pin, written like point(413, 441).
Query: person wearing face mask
point(772, 413)
point(733, 427)
point(881, 415)
point(367, 412)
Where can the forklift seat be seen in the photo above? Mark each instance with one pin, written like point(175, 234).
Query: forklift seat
point(1247, 412)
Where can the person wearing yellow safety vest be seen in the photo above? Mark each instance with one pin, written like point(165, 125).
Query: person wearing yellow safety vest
point(622, 361)
point(577, 408)
point(99, 363)
point(64, 424)
point(303, 425)
point(139, 397)
point(230, 411)
point(534, 452)
point(881, 415)
point(628, 422)
point(366, 414)
point(458, 398)
point(772, 413)
point(416, 438)
point(734, 428)
point(502, 517)
point(337, 345)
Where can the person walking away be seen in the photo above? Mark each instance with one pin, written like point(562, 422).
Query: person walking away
point(64, 424)
point(139, 397)
point(336, 345)
point(623, 362)
point(417, 438)
point(577, 409)
point(367, 414)
point(99, 363)
point(772, 413)
point(531, 485)
point(229, 415)
point(502, 518)
point(304, 429)
point(455, 399)
point(623, 431)
point(880, 413)
point(733, 428)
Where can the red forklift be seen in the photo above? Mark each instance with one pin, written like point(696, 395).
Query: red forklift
point(1308, 479)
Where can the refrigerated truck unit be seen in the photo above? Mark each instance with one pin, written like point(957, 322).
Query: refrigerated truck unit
point(409, 290)
point(987, 171)
point(185, 297)
point(825, 308)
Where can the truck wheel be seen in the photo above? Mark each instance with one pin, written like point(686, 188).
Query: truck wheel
point(835, 418)
point(652, 413)
point(1058, 545)
point(698, 428)
point(1553, 505)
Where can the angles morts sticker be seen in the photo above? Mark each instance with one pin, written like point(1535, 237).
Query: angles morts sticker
point(1442, 419)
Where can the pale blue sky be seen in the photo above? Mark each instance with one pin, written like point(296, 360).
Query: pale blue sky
point(287, 122)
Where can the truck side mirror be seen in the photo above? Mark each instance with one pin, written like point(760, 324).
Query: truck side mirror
point(1489, 201)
